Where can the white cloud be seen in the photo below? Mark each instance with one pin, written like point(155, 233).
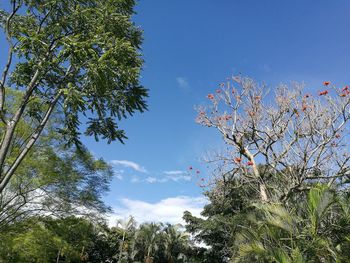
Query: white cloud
point(119, 174)
point(174, 177)
point(166, 210)
point(135, 180)
point(177, 178)
point(183, 83)
point(175, 172)
point(129, 164)
point(151, 179)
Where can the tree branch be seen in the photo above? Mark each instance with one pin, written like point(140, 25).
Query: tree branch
point(30, 143)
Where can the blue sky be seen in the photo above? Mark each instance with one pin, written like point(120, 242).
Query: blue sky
point(190, 47)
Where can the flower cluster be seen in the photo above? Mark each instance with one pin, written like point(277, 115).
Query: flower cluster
point(322, 93)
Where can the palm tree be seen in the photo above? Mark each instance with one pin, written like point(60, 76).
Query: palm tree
point(147, 239)
point(307, 231)
point(125, 226)
point(175, 243)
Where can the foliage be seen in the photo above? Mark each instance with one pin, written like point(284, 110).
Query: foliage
point(280, 192)
point(72, 239)
point(85, 66)
point(53, 179)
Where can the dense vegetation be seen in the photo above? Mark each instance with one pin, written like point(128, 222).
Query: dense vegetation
point(72, 239)
point(278, 192)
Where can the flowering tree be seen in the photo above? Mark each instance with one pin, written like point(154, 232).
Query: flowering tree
point(297, 137)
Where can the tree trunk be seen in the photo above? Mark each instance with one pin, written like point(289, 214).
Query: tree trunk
point(121, 248)
point(262, 186)
point(58, 256)
point(263, 194)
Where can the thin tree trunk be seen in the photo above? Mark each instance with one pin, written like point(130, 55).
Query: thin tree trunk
point(4, 181)
point(262, 186)
point(58, 256)
point(121, 248)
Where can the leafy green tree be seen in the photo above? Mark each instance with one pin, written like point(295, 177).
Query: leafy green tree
point(306, 232)
point(78, 239)
point(176, 244)
point(128, 228)
point(105, 245)
point(58, 181)
point(229, 203)
point(85, 66)
point(147, 241)
point(48, 240)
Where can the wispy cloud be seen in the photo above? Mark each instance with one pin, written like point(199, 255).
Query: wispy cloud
point(174, 172)
point(129, 164)
point(135, 180)
point(177, 178)
point(183, 83)
point(170, 176)
point(119, 176)
point(151, 179)
point(118, 173)
point(166, 210)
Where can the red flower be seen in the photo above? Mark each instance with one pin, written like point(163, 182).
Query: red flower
point(345, 88)
point(251, 113)
point(210, 96)
point(337, 136)
point(306, 96)
point(304, 108)
point(326, 83)
point(197, 172)
point(238, 160)
point(237, 79)
point(218, 91)
point(190, 168)
point(322, 93)
point(250, 163)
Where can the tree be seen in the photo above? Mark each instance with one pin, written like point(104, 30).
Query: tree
point(63, 183)
point(147, 241)
point(85, 66)
point(228, 207)
point(52, 179)
point(293, 135)
point(128, 228)
point(176, 244)
point(314, 230)
point(279, 192)
point(79, 239)
point(44, 239)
